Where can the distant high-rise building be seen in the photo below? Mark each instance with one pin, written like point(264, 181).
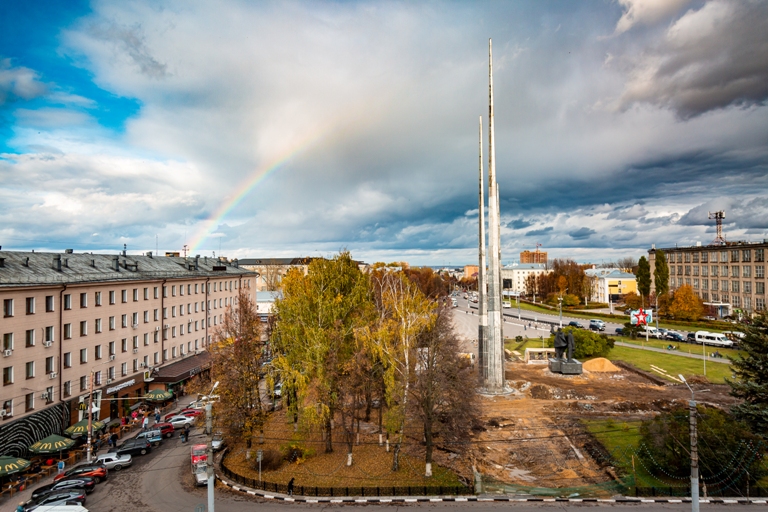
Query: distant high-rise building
point(533, 257)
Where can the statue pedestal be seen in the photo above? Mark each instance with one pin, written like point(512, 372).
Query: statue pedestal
point(572, 367)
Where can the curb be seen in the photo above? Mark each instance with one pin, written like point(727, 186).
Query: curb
point(438, 499)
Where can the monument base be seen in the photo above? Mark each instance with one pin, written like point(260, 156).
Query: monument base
point(572, 367)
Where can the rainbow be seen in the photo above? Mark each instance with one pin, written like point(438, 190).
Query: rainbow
point(246, 187)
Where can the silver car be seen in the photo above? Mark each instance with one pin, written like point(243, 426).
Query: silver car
point(113, 461)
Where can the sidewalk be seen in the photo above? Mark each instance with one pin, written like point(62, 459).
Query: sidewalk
point(26, 494)
point(723, 360)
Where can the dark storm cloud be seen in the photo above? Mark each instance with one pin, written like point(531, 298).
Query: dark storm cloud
point(711, 58)
point(582, 233)
point(519, 224)
point(751, 214)
point(539, 232)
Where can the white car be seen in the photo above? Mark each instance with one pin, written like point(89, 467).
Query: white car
point(113, 461)
point(179, 421)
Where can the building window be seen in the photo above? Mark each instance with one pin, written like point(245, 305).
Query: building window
point(7, 375)
point(124, 296)
point(30, 337)
point(97, 351)
point(165, 312)
point(760, 271)
point(29, 401)
point(714, 285)
point(181, 289)
point(760, 288)
point(156, 337)
point(83, 300)
point(124, 369)
point(746, 255)
point(156, 358)
point(195, 289)
point(735, 256)
point(695, 257)
point(165, 291)
point(696, 270)
point(111, 323)
point(135, 320)
point(146, 317)
point(124, 320)
point(124, 344)
point(705, 296)
point(735, 301)
point(97, 298)
point(112, 296)
point(146, 339)
point(687, 270)
point(50, 365)
point(111, 348)
point(735, 271)
point(83, 355)
point(704, 257)
point(746, 271)
point(84, 328)
point(135, 343)
point(111, 373)
point(695, 284)
point(67, 331)
point(67, 359)
point(173, 311)
point(49, 333)
point(165, 354)
point(747, 287)
point(759, 254)
point(7, 308)
point(97, 325)
point(146, 361)
point(173, 352)
point(157, 315)
point(67, 301)
point(705, 284)
point(156, 292)
point(30, 303)
point(173, 332)
point(759, 303)
point(97, 378)
point(84, 383)
point(135, 295)
point(48, 303)
point(714, 270)
point(68, 388)
point(30, 370)
point(173, 291)
point(135, 365)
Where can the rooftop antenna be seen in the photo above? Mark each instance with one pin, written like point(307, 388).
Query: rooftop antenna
point(185, 250)
point(718, 216)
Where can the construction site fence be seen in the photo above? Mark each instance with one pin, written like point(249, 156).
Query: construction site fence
point(649, 492)
point(304, 490)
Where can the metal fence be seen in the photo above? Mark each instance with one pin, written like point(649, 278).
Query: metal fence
point(725, 492)
point(302, 490)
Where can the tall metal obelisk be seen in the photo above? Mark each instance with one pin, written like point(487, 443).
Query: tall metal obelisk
point(481, 280)
point(494, 343)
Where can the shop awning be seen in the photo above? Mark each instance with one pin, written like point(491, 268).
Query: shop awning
point(183, 369)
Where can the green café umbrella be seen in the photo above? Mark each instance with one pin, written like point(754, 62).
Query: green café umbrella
point(158, 395)
point(51, 444)
point(81, 428)
point(10, 465)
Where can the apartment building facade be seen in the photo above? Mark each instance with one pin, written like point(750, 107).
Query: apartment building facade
point(609, 284)
point(515, 275)
point(533, 257)
point(69, 319)
point(728, 278)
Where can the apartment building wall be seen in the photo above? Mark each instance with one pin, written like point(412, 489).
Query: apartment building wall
point(729, 277)
point(55, 335)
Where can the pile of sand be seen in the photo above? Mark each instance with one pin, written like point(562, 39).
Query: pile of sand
point(600, 364)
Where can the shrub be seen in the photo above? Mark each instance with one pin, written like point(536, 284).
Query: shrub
point(295, 452)
point(271, 460)
point(586, 343)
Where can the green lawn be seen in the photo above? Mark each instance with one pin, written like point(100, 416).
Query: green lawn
point(689, 348)
point(673, 364)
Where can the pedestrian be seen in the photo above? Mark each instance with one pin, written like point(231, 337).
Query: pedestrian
point(157, 415)
point(20, 508)
point(145, 423)
point(113, 438)
point(290, 486)
point(186, 432)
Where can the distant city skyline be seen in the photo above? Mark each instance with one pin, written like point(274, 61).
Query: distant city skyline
point(306, 128)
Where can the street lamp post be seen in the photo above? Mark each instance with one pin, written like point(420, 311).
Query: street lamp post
point(560, 305)
point(209, 432)
point(694, 450)
point(518, 305)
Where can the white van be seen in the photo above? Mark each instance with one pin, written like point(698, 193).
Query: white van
point(652, 332)
point(713, 338)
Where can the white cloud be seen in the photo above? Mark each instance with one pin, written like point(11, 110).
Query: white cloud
point(646, 12)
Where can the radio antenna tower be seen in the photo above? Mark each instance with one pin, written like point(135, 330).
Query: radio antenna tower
point(718, 216)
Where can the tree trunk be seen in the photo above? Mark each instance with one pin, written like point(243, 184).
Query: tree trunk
point(328, 437)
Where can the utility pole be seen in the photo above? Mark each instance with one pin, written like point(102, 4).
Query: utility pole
point(209, 433)
point(560, 306)
point(90, 414)
point(694, 451)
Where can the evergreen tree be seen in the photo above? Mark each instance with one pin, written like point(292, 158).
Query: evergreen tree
point(661, 274)
point(751, 382)
point(644, 277)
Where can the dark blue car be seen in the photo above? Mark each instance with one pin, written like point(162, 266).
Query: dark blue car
point(674, 336)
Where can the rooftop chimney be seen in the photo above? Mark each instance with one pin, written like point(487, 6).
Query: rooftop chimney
point(66, 262)
point(93, 263)
point(125, 249)
point(68, 251)
point(116, 263)
point(26, 261)
point(197, 262)
point(149, 254)
point(57, 262)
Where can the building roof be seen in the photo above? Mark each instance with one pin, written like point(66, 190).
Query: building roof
point(269, 296)
point(612, 273)
point(525, 266)
point(20, 268)
point(180, 370)
point(276, 261)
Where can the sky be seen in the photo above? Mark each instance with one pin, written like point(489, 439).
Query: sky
point(281, 129)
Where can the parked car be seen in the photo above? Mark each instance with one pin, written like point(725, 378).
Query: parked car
point(179, 421)
point(619, 331)
point(691, 338)
point(67, 497)
point(713, 338)
point(650, 332)
point(217, 443)
point(575, 324)
point(134, 447)
point(674, 336)
point(184, 412)
point(154, 436)
point(165, 428)
point(96, 471)
point(77, 483)
point(113, 461)
point(278, 391)
point(597, 324)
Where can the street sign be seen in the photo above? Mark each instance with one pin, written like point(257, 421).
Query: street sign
point(82, 406)
point(259, 455)
point(641, 317)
